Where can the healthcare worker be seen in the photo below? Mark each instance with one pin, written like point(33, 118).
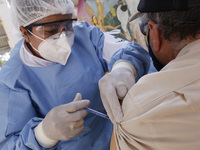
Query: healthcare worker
point(40, 107)
point(162, 110)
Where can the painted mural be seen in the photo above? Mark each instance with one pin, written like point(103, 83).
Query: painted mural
point(111, 15)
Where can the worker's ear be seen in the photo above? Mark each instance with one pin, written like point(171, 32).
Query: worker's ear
point(25, 34)
point(155, 36)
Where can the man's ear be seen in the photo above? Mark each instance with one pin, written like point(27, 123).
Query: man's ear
point(25, 34)
point(154, 34)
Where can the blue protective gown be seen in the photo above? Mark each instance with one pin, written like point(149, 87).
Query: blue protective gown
point(27, 93)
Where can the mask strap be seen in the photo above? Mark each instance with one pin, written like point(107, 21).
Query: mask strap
point(156, 63)
point(35, 35)
point(34, 48)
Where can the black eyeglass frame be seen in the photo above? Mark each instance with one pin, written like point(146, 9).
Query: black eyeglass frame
point(142, 27)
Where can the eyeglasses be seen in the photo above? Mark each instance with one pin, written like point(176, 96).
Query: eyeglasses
point(144, 28)
point(47, 29)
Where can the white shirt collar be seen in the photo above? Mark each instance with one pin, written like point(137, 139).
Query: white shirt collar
point(29, 59)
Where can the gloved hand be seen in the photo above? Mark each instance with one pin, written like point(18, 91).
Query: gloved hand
point(114, 86)
point(65, 121)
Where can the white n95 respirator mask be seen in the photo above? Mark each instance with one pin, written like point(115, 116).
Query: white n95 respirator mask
point(56, 48)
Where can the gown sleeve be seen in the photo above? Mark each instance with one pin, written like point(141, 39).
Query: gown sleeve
point(130, 51)
point(17, 132)
point(136, 55)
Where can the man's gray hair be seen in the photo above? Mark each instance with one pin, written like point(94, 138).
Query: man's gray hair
point(176, 25)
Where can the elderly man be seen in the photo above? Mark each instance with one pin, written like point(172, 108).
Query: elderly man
point(161, 111)
point(55, 60)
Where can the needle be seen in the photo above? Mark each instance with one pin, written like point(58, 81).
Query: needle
point(97, 113)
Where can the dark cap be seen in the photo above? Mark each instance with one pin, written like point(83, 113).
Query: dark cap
point(147, 6)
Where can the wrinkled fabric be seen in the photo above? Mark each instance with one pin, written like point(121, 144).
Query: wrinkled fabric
point(161, 111)
point(28, 93)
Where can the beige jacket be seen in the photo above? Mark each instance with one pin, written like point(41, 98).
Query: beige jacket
point(162, 111)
